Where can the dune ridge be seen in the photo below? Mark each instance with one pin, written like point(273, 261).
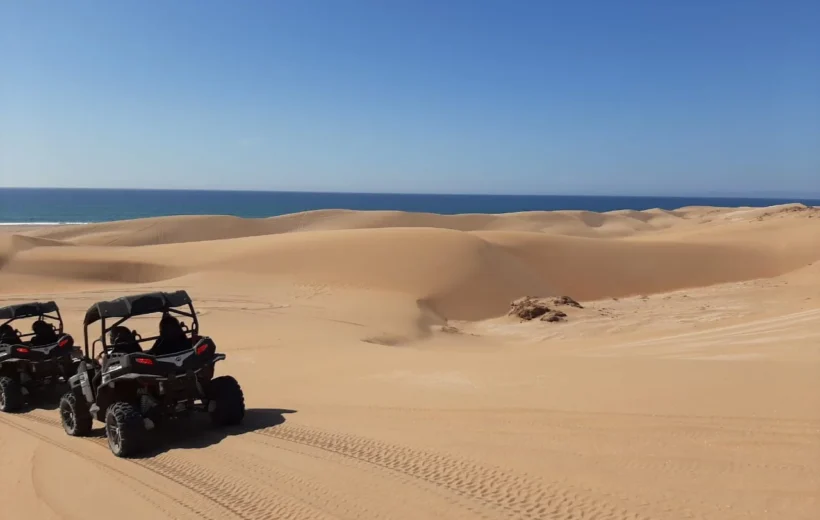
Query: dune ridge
point(462, 267)
point(184, 242)
point(178, 229)
point(193, 228)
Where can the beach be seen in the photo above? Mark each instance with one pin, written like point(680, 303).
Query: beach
point(384, 376)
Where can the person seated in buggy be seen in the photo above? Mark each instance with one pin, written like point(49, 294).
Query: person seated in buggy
point(172, 338)
point(44, 334)
point(123, 341)
point(8, 335)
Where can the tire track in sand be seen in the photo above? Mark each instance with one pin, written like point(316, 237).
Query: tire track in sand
point(737, 334)
point(515, 496)
point(234, 495)
point(214, 484)
point(116, 473)
point(507, 494)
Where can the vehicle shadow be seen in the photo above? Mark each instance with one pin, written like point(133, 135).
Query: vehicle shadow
point(44, 399)
point(197, 432)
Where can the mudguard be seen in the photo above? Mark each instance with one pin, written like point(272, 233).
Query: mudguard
point(80, 382)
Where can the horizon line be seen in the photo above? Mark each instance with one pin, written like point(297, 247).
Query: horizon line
point(812, 197)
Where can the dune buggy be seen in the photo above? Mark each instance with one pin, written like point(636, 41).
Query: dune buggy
point(42, 359)
point(132, 390)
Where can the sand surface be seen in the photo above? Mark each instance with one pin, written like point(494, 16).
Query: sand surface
point(383, 378)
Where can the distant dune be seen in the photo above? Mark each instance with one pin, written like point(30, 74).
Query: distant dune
point(462, 267)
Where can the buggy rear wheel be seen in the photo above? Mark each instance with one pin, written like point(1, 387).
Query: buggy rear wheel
point(125, 429)
point(11, 395)
point(75, 416)
point(226, 403)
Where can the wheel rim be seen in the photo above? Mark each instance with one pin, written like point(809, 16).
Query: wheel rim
point(68, 417)
point(112, 430)
point(2, 399)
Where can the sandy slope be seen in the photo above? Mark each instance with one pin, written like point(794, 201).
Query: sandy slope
point(383, 379)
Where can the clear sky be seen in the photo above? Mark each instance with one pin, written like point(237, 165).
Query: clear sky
point(456, 96)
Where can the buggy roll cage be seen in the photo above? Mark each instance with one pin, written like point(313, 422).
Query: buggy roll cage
point(127, 307)
point(39, 310)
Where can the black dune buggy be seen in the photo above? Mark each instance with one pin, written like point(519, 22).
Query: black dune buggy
point(131, 390)
point(43, 359)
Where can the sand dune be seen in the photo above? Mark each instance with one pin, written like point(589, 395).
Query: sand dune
point(164, 230)
point(463, 271)
point(384, 379)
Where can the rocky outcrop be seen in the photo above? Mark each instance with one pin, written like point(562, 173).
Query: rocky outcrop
point(529, 308)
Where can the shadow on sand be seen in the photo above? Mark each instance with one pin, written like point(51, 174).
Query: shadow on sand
point(197, 432)
point(47, 399)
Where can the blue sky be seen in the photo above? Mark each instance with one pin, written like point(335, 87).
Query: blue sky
point(586, 97)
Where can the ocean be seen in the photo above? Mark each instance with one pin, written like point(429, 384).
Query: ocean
point(60, 206)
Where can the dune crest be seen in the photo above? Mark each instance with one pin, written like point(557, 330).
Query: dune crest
point(180, 229)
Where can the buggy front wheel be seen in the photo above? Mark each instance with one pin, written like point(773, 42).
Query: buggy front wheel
point(124, 429)
point(75, 415)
